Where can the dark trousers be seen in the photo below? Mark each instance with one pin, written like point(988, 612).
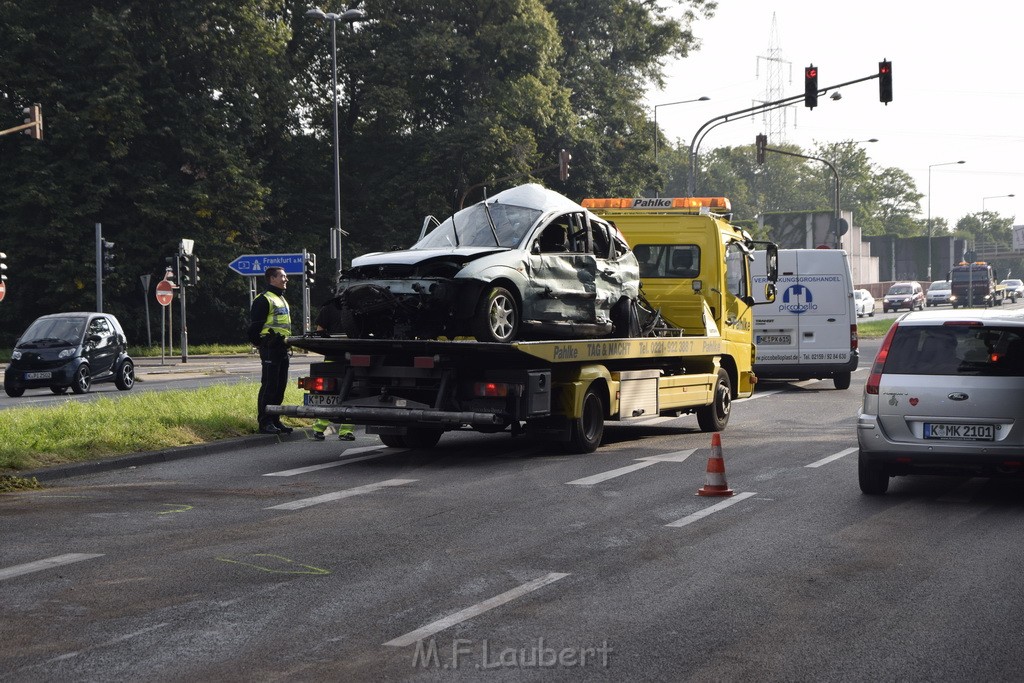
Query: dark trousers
point(273, 382)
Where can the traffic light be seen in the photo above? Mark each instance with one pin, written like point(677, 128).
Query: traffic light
point(811, 86)
point(195, 269)
point(3, 266)
point(563, 165)
point(107, 257)
point(34, 116)
point(184, 271)
point(885, 81)
point(172, 268)
point(762, 142)
point(309, 268)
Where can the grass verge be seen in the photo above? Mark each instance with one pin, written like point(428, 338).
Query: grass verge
point(78, 431)
point(871, 329)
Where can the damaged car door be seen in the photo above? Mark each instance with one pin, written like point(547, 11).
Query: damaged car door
point(562, 271)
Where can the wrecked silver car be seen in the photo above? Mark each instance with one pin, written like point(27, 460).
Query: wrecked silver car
point(526, 263)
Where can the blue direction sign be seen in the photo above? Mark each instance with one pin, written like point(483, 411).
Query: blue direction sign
point(257, 264)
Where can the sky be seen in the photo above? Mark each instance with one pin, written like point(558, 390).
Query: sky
point(958, 89)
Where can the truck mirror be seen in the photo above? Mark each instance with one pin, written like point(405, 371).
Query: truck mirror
point(769, 289)
point(772, 264)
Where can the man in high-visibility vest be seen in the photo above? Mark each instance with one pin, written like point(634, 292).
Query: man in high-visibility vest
point(269, 323)
point(329, 320)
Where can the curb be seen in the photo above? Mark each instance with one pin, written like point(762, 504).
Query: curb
point(150, 457)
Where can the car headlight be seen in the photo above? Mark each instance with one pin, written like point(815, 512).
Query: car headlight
point(15, 355)
point(66, 352)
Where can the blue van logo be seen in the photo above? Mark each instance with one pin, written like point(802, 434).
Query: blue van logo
point(797, 299)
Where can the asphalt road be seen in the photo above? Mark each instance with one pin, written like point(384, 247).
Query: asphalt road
point(493, 558)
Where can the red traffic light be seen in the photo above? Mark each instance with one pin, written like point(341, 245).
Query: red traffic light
point(811, 86)
point(885, 81)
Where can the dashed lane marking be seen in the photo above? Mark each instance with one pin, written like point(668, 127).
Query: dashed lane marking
point(677, 456)
point(338, 495)
point(374, 452)
point(690, 519)
point(477, 609)
point(48, 563)
point(834, 456)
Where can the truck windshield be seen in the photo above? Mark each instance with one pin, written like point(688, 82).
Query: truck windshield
point(471, 228)
point(966, 275)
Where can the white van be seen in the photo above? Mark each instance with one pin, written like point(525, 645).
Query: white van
point(810, 332)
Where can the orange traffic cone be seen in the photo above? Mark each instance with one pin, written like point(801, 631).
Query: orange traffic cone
point(715, 481)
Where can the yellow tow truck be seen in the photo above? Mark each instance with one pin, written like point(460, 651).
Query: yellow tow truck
point(696, 358)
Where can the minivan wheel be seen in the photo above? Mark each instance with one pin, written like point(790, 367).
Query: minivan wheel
point(82, 380)
point(873, 478)
point(125, 378)
point(841, 380)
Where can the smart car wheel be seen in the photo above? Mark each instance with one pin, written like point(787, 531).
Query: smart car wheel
point(497, 316)
point(82, 380)
point(125, 378)
point(715, 417)
point(58, 390)
point(13, 392)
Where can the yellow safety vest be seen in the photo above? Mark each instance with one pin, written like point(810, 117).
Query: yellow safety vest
point(278, 316)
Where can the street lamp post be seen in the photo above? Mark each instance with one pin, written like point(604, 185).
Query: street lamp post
point(984, 199)
point(657, 131)
point(930, 167)
point(348, 16)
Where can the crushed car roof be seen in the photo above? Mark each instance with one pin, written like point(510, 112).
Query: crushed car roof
point(535, 196)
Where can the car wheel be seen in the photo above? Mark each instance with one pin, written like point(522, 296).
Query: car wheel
point(422, 437)
point(125, 378)
point(58, 390)
point(841, 380)
point(873, 478)
point(13, 392)
point(715, 417)
point(587, 430)
point(497, 316)
point(82, 380)
point(871, 314)
point(392, 440)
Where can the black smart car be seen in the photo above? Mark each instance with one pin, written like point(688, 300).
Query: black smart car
point(70, 350)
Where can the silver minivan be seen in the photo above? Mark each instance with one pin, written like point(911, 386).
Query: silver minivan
point(944, 396)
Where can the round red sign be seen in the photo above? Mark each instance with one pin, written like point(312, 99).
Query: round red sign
point(164, 292)
point(3, 289)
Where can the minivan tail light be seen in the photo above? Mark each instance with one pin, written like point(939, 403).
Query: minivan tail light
point(875, 378)
point(854, 339)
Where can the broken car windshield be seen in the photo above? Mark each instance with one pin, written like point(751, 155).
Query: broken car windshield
point(511, 223)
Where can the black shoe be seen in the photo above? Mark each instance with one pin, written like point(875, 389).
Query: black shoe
point(269, 429)
point(284, 429)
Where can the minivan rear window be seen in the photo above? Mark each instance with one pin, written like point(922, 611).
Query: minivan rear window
point(956, 350)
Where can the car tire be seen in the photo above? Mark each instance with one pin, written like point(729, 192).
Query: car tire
point(872, 477)
point(587, 430)
point(422, 437)
point(125, 377)
point(82, 380)
point(714, 417)
point(13, 392)
point(871, 314)
point(841, 380)
point(392, 440)
point(497, 316)
point(58, 390)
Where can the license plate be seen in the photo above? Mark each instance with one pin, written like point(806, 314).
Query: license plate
point(774, 339)
point(322, 400)
point(958, 432)
point(38, 375)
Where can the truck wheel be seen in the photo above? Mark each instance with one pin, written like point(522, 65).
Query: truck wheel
point(586, 431)
point(497, 316)
point(841, 380)
point(872, 477)
point(714, 417)
point(423, 437)
point(392, 440)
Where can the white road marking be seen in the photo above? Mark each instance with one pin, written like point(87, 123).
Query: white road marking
point(115, 641)
point(677, 456)
point(477, 609)
point(835, 456)
point(338, 495)
point(378, 452)
point(689, 519)
point(48, 563)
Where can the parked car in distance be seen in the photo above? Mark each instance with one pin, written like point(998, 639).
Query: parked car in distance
point(70, 350)
point(524, 263)
point(938, 293)
point(943, 396)
point(1014, 289)
point(863, 303)
point(908, 295)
